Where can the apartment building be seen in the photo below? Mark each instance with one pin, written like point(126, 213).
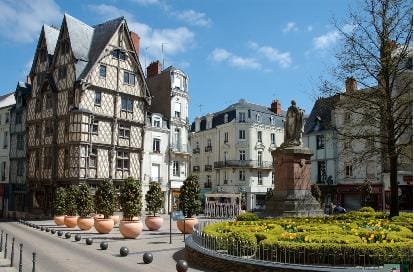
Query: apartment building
point(232, 150)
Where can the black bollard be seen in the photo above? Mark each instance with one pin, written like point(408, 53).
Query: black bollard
point(21, 258)
point(12, 253)
point(181, 266)
point(89, 241)
point(124, 251)
point(5, 247)
point(1, 242)
point(34, 262)
point(60, 233)
point(104, 245)
point(147, 258)
point(67, 235)
point(53, 231)
point(78, 237)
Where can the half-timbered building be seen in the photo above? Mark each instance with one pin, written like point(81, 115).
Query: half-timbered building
point(86, 111)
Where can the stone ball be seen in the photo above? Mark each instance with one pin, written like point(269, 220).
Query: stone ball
point(124, 251)
point(78, 237)
point(181, 266)
point(47, 230)
point(89, 241)
point(53, 231)
point(60, 233)
point(104, 245)
point(147, 258)
point(67, 235)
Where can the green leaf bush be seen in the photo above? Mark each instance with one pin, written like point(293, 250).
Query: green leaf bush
point(367, 209)
point(189, 202)
point(60, 201)
point(154, 198)
point(130, 198)
point(369, 233)
point(84, 201)
point(105, 198)
point(248, 216)
point(71, 195)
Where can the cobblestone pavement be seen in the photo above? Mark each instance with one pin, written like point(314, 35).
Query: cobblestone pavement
point(55, 253)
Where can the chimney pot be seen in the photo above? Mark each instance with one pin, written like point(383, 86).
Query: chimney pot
point(136, 41)
point(154, 69)
point(350, 84)
point(276, 107)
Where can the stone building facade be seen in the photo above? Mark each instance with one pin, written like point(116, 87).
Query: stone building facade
point(232, 150)
point(86, 111)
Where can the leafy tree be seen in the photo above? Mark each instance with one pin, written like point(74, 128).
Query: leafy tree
point(60, 201)
point(84, 201)
point(189, 202)
point(367, 193)
point(377, 55)
point(316, 192)
point(71, 197)
point(130, 198)
point(105, 198)
point(154, 197)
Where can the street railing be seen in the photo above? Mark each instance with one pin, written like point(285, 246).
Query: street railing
point(258, 253)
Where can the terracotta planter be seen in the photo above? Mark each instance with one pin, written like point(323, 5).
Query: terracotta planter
point(104, 225)
point(154, 222)
point(130, 229)
point(115, 218)
point(71, 221)
point(59, 220)
point(189, 223)
point(85, 223)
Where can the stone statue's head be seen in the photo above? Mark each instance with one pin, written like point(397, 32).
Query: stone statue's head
point(293, 102)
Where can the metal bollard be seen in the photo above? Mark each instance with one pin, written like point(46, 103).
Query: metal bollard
point(5, 247)
point(21, 258)
point(34, 262)
point(1, 242)
point(12, 253)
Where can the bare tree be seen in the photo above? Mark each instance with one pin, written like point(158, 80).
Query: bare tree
point(376, 120)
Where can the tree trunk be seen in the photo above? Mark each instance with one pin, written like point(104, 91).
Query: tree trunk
point(394, 207)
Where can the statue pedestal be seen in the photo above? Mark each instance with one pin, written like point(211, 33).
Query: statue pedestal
point(292, 192)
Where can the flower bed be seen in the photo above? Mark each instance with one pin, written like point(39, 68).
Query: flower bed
point(356, 238)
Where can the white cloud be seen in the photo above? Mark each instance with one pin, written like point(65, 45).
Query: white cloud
point(21, 21)
point(194, 18)
point(272, 54)
point(290, 26)
point(222, 55)
point(309, 28)
point(146, 2)
point(330, 38)
point(175, 40)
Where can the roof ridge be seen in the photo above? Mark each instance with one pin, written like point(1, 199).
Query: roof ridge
point(120, 18)
point(66, 15)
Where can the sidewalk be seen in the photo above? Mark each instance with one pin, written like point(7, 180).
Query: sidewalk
point(5, 266)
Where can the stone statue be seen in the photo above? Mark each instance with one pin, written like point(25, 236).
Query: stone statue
point(293, 126)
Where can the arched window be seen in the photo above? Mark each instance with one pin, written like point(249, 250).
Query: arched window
point(258, 118)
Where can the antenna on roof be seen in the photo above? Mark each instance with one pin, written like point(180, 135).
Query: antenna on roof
point(200, 106)
point(162, 54)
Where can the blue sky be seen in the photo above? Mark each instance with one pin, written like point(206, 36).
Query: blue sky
point(257, 50)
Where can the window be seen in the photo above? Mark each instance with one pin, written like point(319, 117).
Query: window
point(225, 177)
point(3, 171)
point(129, 78)
point(209, 142)
point(124, 131)
point(272, 120)
point(226, 137)
point(177, 110)
point(242, 155)
point(156, 121)
point(272, 138)
point(7, 117)
point(208, 183)
point(242, 117)
point(127, 104)
point(95, 127)
point(122, 160)
point(176, 169)
point(20, 168)
point(62, 72)
point(93, 157)
point(38, 106)
point(67, 159)
point(102, 71)
point(242, 134)
point(48, 101)
point(260, 158)
point(18, 118)
point(242, 175)
point(6, 140)
point(38, 131)
point(258, 118)
point(259, 136)
point(156, 145)
point(47, 163)
point(320, 141)
point(348, 171)
point(98, 98)
point(20, 142)
point(347, 116)
point(273, 177)
point(259, 178)
point(321, 172)
point(119, 54)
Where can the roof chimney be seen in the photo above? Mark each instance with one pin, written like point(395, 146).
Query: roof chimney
point(154, 69)
point(276, 107)
point(350, 84)
point(135, 40)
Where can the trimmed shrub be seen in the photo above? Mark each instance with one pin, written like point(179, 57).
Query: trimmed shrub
point(367, 209)
point(105, 198)
point(154, 198)
point(60, 201)
point(189, 201)
point(130, 198)
point(71, 204)
point(84, 201)
point(248, 216)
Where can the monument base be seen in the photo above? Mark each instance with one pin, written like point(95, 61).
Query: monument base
point(292, 193)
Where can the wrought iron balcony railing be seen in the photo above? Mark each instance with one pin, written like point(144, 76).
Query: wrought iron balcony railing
point(244, 164)
point(208, 167)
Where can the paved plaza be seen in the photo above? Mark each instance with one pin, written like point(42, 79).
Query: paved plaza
point(54, 253)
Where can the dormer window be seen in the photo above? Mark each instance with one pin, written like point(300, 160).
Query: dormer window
point(119, 54)
point(156, 121)
point(258, 118)
point(242, 117)
point(272, 120)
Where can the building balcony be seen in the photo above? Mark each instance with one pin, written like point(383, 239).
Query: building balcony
point(196, 168)
point(208, 167)
point(207, 185)
point(196, 150)
point(180, 149)
point(244, 164)
point(208, 148)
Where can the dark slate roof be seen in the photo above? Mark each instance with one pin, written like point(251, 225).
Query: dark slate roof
point(252, 111)
point(320, 116)
point(51, 36)
point(80, 35)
